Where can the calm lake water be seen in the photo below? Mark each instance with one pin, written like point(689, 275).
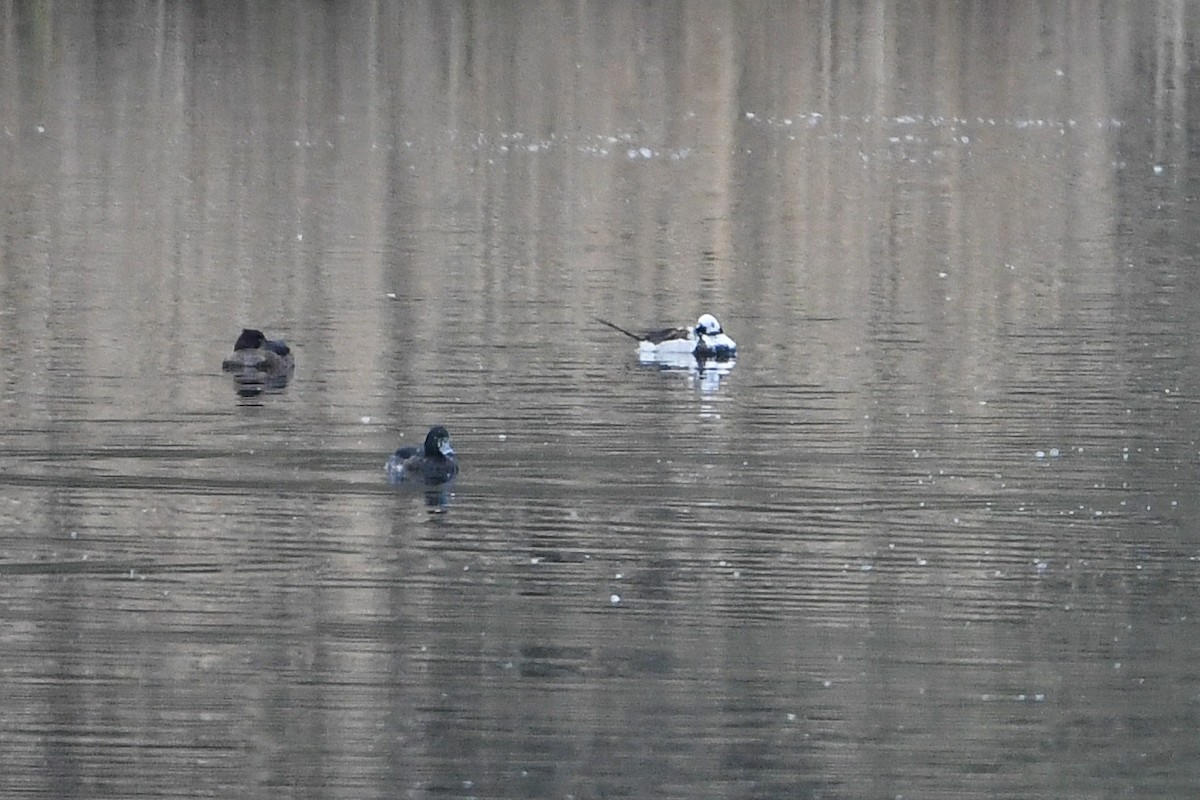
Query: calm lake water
point(934, 534)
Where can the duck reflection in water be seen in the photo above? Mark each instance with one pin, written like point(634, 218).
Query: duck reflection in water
point(259, 364)
point(705, 371)
point(433, 466)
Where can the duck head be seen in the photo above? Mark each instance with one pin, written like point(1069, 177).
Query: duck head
point(707, 325)
point(250, 339)
point(437, 443)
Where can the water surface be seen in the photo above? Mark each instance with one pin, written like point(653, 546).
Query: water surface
point(932, 535)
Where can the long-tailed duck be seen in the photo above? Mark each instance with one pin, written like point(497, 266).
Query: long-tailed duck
point(704, 340)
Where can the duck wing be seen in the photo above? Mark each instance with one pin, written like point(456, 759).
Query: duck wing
point(666, 335)
point(653, 337)
point(277, 346)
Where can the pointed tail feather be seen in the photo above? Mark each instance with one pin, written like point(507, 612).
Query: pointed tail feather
point(619, 329)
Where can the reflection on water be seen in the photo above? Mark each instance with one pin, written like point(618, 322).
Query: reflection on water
point(705, 373)
point(932, 536)
point(252, 381)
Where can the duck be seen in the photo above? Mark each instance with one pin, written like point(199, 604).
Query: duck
point(434, 462)
point(705, 339)
point(254, 351)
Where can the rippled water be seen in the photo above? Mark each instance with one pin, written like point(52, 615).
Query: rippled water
point(932, 535)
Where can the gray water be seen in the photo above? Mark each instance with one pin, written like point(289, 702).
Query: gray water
point(933, 535)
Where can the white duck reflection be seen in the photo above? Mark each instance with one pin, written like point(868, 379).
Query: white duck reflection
point(706, 372)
